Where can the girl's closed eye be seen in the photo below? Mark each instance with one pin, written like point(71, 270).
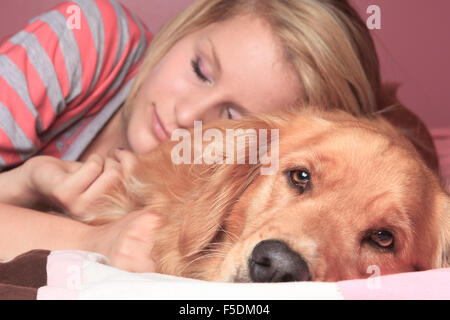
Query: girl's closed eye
point(198, 69)
point(232, 114)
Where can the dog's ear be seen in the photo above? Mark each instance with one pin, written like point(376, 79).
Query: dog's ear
point(216, 187)
point(443, 258)
point(218, 190)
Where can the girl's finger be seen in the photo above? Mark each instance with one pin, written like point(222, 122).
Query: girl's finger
point(86, 174)
point(127, 159)
point(139, 262)
point(110, 177)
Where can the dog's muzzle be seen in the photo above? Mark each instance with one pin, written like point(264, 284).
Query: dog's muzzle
point(274, 261)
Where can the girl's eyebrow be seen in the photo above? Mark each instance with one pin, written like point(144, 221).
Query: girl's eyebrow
point(214, 54)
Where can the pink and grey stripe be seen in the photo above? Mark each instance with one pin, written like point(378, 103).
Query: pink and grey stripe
point(59, 84)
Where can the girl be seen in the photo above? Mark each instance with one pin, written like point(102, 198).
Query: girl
point(216, 59)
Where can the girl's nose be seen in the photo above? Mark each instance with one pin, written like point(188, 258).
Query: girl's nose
point(199, 109)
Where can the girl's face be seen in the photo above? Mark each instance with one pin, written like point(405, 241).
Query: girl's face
point(225, 70)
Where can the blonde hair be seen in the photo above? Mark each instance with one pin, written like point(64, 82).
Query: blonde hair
point(325, 41)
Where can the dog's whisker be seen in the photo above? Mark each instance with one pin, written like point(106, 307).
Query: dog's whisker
point(225, 245)
point(206, 256)
point(213, 250)
point(231, 235)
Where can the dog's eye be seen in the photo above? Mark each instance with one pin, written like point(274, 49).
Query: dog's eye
point(300, 178)
point(382, 238)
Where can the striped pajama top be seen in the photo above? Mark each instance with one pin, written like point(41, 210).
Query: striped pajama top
point(63, 76)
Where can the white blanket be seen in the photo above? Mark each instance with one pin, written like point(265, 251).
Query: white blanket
point(84, 275)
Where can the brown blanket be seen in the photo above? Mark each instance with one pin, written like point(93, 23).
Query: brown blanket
point(21, 277)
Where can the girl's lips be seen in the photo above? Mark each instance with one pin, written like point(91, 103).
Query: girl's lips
point(158, 128)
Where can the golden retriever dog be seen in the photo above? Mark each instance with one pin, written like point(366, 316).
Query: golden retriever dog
point(349, 194)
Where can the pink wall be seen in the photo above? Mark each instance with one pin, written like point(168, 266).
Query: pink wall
point(414, 49)
point(413, 44)
point(14, 14)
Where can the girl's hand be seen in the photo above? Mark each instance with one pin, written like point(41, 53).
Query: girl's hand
point(127, 242)
point(73, 186)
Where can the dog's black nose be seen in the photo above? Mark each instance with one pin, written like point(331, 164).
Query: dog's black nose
point(274, 261)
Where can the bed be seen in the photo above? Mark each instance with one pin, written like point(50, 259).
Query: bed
point(79, 275)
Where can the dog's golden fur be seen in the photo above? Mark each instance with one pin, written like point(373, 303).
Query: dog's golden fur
point(365, 176)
